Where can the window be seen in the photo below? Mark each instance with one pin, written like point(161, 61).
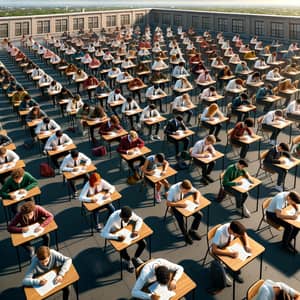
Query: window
point(3, 30)
point(223, 24)
point(259, 28)
point(166, 19)
point(238, 25)
point(205, 23)
point(295, 31)
point(61, 25)
point(178, 20)
point(111, 21)
point(78, 23)
point(139, 18)
point(277, 30)
point(43, 27)
point(22, 28)
point(125, 20)
point(93, 22)
point(195, 21)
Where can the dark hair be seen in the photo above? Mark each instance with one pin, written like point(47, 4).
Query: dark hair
point(284, 146)
point(237, 227)
point(283, 295)
point(152, 106)
point(278, 113)
point(46, 120)
point(27, 207)
point(129, 99)
point(43, 252)
point(59, 133)
point(294, 197)
point(74, 153)
point(126, 212)
point(244, 96)
point(243, 162)
point(179, 118)
point(160, 157)
point(162, 275)
point(249, 122)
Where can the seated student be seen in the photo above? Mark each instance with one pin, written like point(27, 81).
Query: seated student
point(158, 64)
point(57, 139)
point(150, 164)
point(119, 219)
point(74, 104)
point(274, 213)
point(82, 116)
point(241, 67)
point(71, 163)
point(260, 63)
point(149, 112)
point(113, 97)
point(273, 157)
point(233, 172)
point(46, 260)
point(46, 124)
point(203, 149)
point(112, 124)
point(95, 185)
point(79, 77)
point(90, 82)
point(176, 193)
point(19, 180)
point(27, 103)
point(128, 106)
point(208, 92)
point(35, 113)
point(222, 238)
point(269, 119)
point(157, 270)
point(102, 88)
point(183, 100)
point(274, 75)
point(179, 71)
point(7, 157)
point(253, 78)
point(234, 84)
point(238, 102)
point(128, 145)
point(30, 214)
point(181, 84)
point(135, 86)
point(209, 114)
point(237, 135)
point(153, 91)
point(262, 93)
point(293, 110)
point(5, 140)
point(173, 125)
point(271, 290)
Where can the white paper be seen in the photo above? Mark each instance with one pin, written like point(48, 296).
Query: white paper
point(243, 254)
point(112, 133)
point(179, 132)
point(20, 195)
point(7, 166)
point(247, 138)
point(127, 234)
point(60, 147)
point(191, 206)
point(44, 289)
point(136, 151)
point(245, 184)
point(286, 161)
point(100, 199)
point(157, 173)
point(46, 132)
point(31, 231)
point(161, 290)
point(79, 170)
point(292, 212)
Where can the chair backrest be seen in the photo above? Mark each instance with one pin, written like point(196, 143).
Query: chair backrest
point(296, 140)
point(140, 267)
point(229, 132)
point(254, 288)
point(263, 154)
point(266, 203)
point(211, 233)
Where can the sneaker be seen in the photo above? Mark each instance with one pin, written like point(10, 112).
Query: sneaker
point(130, 266)
point(246, 212)
point(152, 137)
point(195, 235)
point(188, 239)
point(32, 252)
point(207, 177)
point(228, 280)
point(157, 197)
point(98, 227)
point(238, 278)
point(278, 188)
point(76, 194)
point(157, 137)
point(84, 133)
point(272, 142)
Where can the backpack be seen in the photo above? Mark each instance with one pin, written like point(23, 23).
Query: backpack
point(99, 151)
point(46, 170)
point(28, 144)
point(217, 275)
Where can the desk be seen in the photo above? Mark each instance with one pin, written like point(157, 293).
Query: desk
point(7, 168)
point(127, 157)
point(144, 232)
point(91, 207)
point(235, 264)
point(248, 140)
point(154, 179)
point(43, 136)
point(159, 98)
point(207, 160)
point(112, 136)
point(17, 239)
point(272, 99)
point(66, 148)
point(92, 124)
point(283, 124)
point(182, 134)
point(70, 277)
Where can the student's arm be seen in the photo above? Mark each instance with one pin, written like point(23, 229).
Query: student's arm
point(83, 195)
point(144, 168)
point(68, 140)
point(48, 145)
point(137, 292)
point(13, 156)
point(44, 214)
point(28, 279)
point(108, 187)
point(138, 222)
point(12, 227)
point(140, 143)
point(245, 240)
point(289, 290)
point(226, 179)
point(86, 159)
point(64, 166)
point(64, 260)
point(165, 166)
point(55, 125)
point(5, 140)
point(106, 231)
point(31, 182)
point(279, 214)
point(218, 251)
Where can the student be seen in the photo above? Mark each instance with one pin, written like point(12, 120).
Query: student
point(293, 110)
point(95, 185)
point(27, 103)
point(183, 100)
point(7, 157)
point(180, 70)
point(149, 112)
point(74, 104)
point(113, 97)
point(203, 149)
point(153, 91)
point(46, 260)
point(35, 113)
point(31, 214)
point(113, 124)
point(262, 93)
point(119, 219)
point(237, 135)
point(272, 158)
point(275, 213)
point(237, 102)
point(82, 116)
point(222, 238)
point(5, 140)
point(71, 163)
point(232, 172)
point(128, 106)
point(176, 193)
point(271, 290)
point(46, 125)
point(157, 270)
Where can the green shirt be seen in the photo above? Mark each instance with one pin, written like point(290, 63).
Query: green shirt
point(231, 173)
point(28, 182)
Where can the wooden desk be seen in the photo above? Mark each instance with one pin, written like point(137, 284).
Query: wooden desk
point(92, 207)
point(133, 112)
point(71, 277)
point(112, 136)
point(17, 239)
point(216, 121)
point(144, 150)
point(144, 232)
point(155, 120)
point(66, 148)
point(207, 160)
point(183, 109)
point(248, 140)
point(283, 124)
point(92, 124)
point(11, 167)
point(183, 134)
point(235, 264)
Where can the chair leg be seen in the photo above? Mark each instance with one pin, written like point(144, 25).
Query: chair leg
point(258, 228)
point(165, 216)
point(204, 259)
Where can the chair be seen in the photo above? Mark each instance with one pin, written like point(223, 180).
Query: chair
point(233, 146)
point(254, 288)
point(228, 196)
point(264, 218)
point(211, 233)
point(264, 132)
point(267, 171)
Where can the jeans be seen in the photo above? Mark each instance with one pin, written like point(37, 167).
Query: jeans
point(275, 131)
point(206, 168)
point(240, 198)
point(141, 246)
point(244, 147)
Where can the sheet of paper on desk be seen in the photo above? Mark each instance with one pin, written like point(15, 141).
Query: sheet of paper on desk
point(292, 212)
point(100, 199)
point(287, 161)
point(161, 290)
point(59, 147)
point(191, 206)
point(113, 133)
point(7, 166)
point(247, 138)
point(243, 255)
point(31, 232)
point(79, 170)
point(46, 132)
point(157, 173)
point(44, 289)
point(179, 132)
point(245, 184)
point(136, 151)
point(20, 195)
point(127, 234)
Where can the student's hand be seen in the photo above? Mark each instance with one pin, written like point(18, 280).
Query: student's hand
point(38, 229)
point(182, 205)
point(234, 254)
point(155, 297)
point(172, 285)
point(13, 196)
point(42, 282)
point(121, 238)
point(130, 152)
point(239, 183)
point(294, 217)
point(211, 118)
point(163, 172)
point(22, 191)
point(248, 249)
point(75, 169)
point(134, 234)
point(58, 279)
point(25, 229)
point(54, 148)
point(106, 196)
point(297, 297)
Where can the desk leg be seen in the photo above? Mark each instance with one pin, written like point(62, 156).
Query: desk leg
point(257, 197)
point(19, 260)
point(154, 194)
point(193, 294)
point(150, 247)
point(207, 226)
point(260, 267)
point(121, 266)
point(56, 240)
point(259, 145)
point(69, 191)
point(295, 177)
point(233, 289)
point(91, 222)
point(76, 290)
point(290, 137)
point(186, 224)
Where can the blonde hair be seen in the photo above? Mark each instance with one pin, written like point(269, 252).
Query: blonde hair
point(133, 134)
point(212, 109)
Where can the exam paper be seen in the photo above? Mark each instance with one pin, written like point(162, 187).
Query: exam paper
point(127, 234)
point(245, 184)
point(191, 206)
point(100, 199)
point(20, 195)
point(7, 166)
point(161, 290)
point(31, 232)
point(79, 170)
point(157, 173)
point(287, 161)
point(292, 212)
point(243, 255)
point(44, 289)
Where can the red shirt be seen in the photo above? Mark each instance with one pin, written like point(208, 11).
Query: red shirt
point(127, 143)
point(239, 131)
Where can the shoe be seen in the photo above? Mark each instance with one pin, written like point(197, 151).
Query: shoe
point(44, 152)
point(194, 234)
point(130, 266)
point(228, 280)
point(157, 197)
point(188, 239)
point(207, 177)
point(152, 137)
point(203, 180)
point(238, 278)
point(84, 133)
point(218, 139)
point(278, 188)
point(246, 212)
point(157, 137)
point(76, 194)
point(272, 142)
point(98, 227)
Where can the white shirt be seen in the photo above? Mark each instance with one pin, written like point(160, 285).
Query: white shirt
point(179, 102)
point(114, 97)
point(69, 163)
point(147, 276)
point(179, 84)
point(52, 125)
point(222, 236)
point(37, 73)
point(278, 202)
point(159, 65)
point(207, 93)
point(115, 223)
point(259, 63)
point(269, 117)
point(76, 105)
point(122, 76)
point(55, 88)
point(10, 156)
point(271, 75)
point(88, 191)
point(148, 113)
point(112, 73)
point(293, 107)
point(175, 193)
point(129, 106)
point(231, 85)
point(151, 91)
point(45, 79)
point(200, 147)
point(53, 141)
point(179, 71)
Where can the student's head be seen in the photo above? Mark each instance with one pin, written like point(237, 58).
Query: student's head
point(26, 98)
point(77, 97)
point(117, 91)
point(237, 229)
point(278, 113)
point(283, 147)
point(133, 135)
point(46, 120)
point(181, 64)
point(160, 157)
point(3, 152)
point(185, 186)
point(239, 81)
point(163, 275)
point(43, 255)
point(86, 106)
point(59, 133)
point(249, 122)
point(75, 154)
point(129, 99)
point(114, 120)
point(17, 175)
point(293, 198)
point(210, 140)
point(283, 295)
point(27, 210)
point(126, 213)
point(179, 118)
point(94, 179)
point(242, 164)
point(269, 86)
point(212, 88)
point(244, 96)
point(212, 109)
